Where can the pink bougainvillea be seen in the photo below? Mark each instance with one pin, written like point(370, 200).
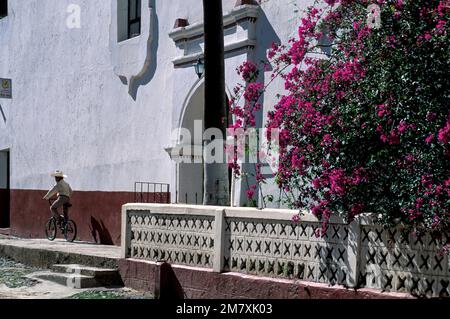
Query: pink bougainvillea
point(365, 128)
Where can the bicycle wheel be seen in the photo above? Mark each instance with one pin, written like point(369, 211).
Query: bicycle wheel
point(50, 229)
point(70, 231)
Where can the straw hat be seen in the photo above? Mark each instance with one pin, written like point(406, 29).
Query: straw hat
point(59, 174)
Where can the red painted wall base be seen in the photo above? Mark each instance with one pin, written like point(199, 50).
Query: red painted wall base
point(194, 283)
point(97, 214)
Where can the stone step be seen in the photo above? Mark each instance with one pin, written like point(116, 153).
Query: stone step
point(70, 280)
point(84, 270)
point(104, 276)
point(43, 254)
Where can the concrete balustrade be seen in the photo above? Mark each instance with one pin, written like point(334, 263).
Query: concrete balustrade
point(268, 243)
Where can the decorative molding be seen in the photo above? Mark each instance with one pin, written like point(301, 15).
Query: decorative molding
point(132, 58)
point(189, 152)
point(240, 33)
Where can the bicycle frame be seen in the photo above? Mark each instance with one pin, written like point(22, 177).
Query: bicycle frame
point(63, 224)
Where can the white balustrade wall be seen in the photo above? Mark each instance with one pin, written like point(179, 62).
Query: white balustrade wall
point(267, 243)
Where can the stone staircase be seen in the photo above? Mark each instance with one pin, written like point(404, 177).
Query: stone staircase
point(81, 277)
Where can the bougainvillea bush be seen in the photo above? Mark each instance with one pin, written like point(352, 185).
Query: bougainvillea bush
point(365, 128)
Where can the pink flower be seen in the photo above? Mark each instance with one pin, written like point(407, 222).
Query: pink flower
point(316, 210)
point(327, 140)
point(297, 161)
point(356, 210)
point(394, 139)
point(443, 5)
point(316, 183)
point(382, 110)
point(331, 2)
point(409, 158)
point(296, 218)
point(402, 127)
point(447, 182)
point(337, 181)
point(441, 24)
point(358, 176)
point(419, 203)
point(431, 116)
point(444, 133)
point(253, 91)
point(429, 139)
point(248, 71)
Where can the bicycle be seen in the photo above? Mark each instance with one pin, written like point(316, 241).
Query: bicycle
point(68, 227)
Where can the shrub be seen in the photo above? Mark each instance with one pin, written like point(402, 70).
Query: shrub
point(366, 128)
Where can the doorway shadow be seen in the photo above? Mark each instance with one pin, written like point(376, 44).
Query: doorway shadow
point(100, 233)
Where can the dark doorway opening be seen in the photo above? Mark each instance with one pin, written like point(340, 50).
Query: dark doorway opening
point(4, 190)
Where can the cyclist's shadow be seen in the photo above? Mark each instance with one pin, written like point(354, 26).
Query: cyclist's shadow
point(100, 233)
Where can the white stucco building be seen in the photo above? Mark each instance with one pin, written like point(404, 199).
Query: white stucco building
point(99, 98)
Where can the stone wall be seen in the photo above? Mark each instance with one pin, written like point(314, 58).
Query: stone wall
point(266, 243)
point(393, 261)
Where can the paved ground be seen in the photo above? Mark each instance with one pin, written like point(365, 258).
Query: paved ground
point(42, 253)
point(60, 245)
point(16, 283)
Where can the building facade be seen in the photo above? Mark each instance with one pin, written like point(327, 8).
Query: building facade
point(98, 90)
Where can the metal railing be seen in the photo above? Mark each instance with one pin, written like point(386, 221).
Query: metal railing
point(147, 192)
point(190, 198)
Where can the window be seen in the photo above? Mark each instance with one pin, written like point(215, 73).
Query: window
point(134, 18)
point(128, 19)
point(3, 8)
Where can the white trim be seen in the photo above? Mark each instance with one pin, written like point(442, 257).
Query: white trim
point(187, 100)
point(243, 37)
point(236, 212)
point(247, 43)
point(197, 29)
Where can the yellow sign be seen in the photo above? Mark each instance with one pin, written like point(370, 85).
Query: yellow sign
point(5, 89)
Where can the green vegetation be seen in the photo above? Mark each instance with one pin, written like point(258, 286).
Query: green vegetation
point(13, 274)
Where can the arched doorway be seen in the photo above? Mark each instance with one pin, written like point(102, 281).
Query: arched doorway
point(189, 150)
point(190, 169)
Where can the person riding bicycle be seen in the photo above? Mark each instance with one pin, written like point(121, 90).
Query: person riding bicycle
point(64, 192)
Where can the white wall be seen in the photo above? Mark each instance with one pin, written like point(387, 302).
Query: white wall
point(70, 111)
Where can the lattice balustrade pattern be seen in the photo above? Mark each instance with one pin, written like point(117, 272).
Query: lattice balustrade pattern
point(177, 239)
point(394, 261)
point(286, 249)
point(357, 255)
